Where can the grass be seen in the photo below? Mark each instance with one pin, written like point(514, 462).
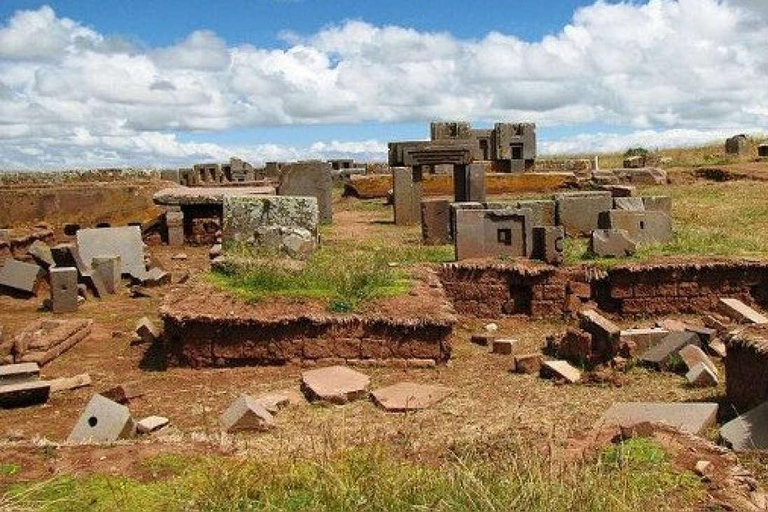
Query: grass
point(503, 477)
point(9, 469)
point(345, 279)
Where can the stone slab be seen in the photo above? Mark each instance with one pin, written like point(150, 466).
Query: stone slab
point(612, 243)
point(658, 203)
point(310, 179)
point(409, 396)
point(529, 363)
point(20, 276)
point(124, 241)
point(103, 420)
point(605, 334)
point(749, 431)
point(335, 384)
point(190, 196)
point(66, 383)
point(23, 394)
point(41, 252)
point(436, 222)
point(151, 424)
point(701, 376)
point(549, 244)
point(642, 339)
point(740, 312)
point(109, 269)
point(124, 393)
point(658, 355)
point(632, 204)
point(504, 346)
point(17, 373)
point(693, 355)
point(579, 212)
point(646, 227)
point(693, 418)
point(561, 370)
point(146, 330)
point(64, 291)
point(246, 413)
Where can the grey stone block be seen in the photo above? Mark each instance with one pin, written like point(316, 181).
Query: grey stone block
point(108, 268)
point(659, 204)
point(612, 243)
point(549, 244)
point(103, 421)
point(64, 289)
point(693, 418)
point(658, 356)
point(492, 233)
point(407, 196)
point(579, 212)
point(18, 373)
point(749, 431)
point(543, 211)
point(41, 252)
point(246, 413)
point(310, 179)
point(125, 242)
point(646, 227)
point(20, 276)
point(740, 312)
point(436, 221)
point(632, 204)
point(23, 394)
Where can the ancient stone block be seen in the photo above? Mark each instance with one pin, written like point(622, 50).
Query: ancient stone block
point(22, 277)
point(575, 345)
point(693, 355)
point(407, 196)
point(246, 413)
point(147, 331)
point(504, 346)
point(475, 182)
point(579, 212)
point(103, 421)
point(605, 334)
point(64, 291)
point(548, 244)
point(529, 363)
point(156, 277)
point(641, 340)
point(749, 431)
point(436, 221)
point(693, 418)
point(737, 145)
point(740, 312)
point(335, 384)
point(108, 268)
point(484, 339)
point(310, 179)
point(701, 376)
point(632, 204)
point(23, 394)
point(492, 233)
point(409, 396)
point(124, 241)
point(762, 150)
point(561, 370)
point(151, 424)
point(658, 203)
point(66, 383)
point(543, 211)
point(658, 356)
point(41, 252)
point(646, 227)
point(18, 373)
point(45, 340)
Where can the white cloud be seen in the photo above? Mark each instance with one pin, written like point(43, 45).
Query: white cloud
point(667, 68)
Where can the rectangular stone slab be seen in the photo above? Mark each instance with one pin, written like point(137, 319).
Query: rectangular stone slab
point(749, 431)
point(693, 418)
point(658, 355)
point(740, 312)
point(125, 242)
point(17, 373)
point(23, 394)
point(20, 276)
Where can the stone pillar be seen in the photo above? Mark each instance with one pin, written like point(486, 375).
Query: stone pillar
point(436, 221)
point(407, 192)
point(476, 182)
point(174, 221)
point(548, 244)
point(109, 270)
point(63, 289)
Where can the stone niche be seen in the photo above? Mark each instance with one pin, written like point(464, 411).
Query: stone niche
point(272, 224)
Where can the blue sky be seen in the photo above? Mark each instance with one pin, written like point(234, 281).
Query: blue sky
point(93, 83)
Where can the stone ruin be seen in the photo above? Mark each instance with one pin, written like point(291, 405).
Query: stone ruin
point(737, 145)
point(762, 150)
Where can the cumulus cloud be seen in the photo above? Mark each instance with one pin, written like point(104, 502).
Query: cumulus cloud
point(674, 69)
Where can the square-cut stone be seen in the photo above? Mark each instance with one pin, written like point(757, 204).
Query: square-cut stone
point(579, 212)
point(644, 227)
point(23, 394)
point(658, 355)
point(124, 393)
point(151, 424)
point(701, 376)
point(561, 370)
point(749, 431)
point(641, 340)
point(409, 396)
point(693, 418)
point(504, 346)
point(64, 291)
point(311, 179)
point(41, 252)
point(335, 384)
point(20, 276)
point(103, 421)
point(612, 243)
point(693, 355)
point(246, 413)
point(17, 373)
point(529, 363)
point(740, 312)
point(109, 269)
point(633, 204)
point(124, 241)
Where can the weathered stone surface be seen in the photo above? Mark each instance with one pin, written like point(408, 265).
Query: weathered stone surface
point(561, 370)
point(693, 418)
point(548, 244)
point(642, 339)
point(190, 196)
point(407, 196)
point(576, 345)
point(310, 179)
point(41, 252)
point(124, 241)
point(612, 243)
point(335, 384)
point(605, 334)
point(246, 413)
point(66, 383)
point(632, 204)
point(737, 145)
point(64, 291)
point(740, 312)
point(147, 331)
point(409, 396)
point(109, 269)
point(658, 355)
point(151, 424)
point(693, 355)
point(484, 339)
point(17, 373)
point(749, 431)
point(20, 276)
point(103, 421)
point(658, 203)
point(543, 211)
point(288, 225)
point(493, 232)
point(23, 394)
point(124, 393)
point(156, 277)
point(529, 363)
point(701, 376)
point(504, 346)
point(646, 227)
point(44, 340)
point(436, 221)
point(579, 212)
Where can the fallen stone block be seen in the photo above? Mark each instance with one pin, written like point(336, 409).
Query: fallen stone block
point(124, 393)
point(717, 348)
point(156, 277)
point(528, 363)
point(658, 203)
point(693, 418)
point(409, 396)
point(103, 421)
point(483, 339)
point(642, 339)
point(644, 227)
point(701, 376)
point(18, 373)
point(560, 370)
point(44, 340)
point(41, 252)
point(548, 244)
point(151, 424)
point(335, 384)
point(612, 243)
point(504, 346)
point(64, 290)
point(67, 383)
point(749, 431)
point(19, 276)
point(23, 394)
point(659, 356)
point(124, 242)
point(606, 335)
point(693, 355)
point(245, 413)
point(147, 331)
point(575, 345)
point(740, 312)
point(108, 269)
point(274, 402)
point(68, 255)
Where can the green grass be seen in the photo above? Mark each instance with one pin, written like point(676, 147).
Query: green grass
point(632, 476)
point(345, 279)
point(9, 469)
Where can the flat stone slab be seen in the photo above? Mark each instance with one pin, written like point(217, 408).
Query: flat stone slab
point(701, 376)
point(103, 421)
point(182, 196)
point(246, 413)
point(658, 355)
point(125, 242)
point(561, 370)
point(23, 394)
point(693, 418)
point(749, 431)
point(740, 312)
point(335, 384)
point(409, 396)
point(17, 373)
point(612, 243)
point(693, 355)
point(20, 276)
point(151, 424)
